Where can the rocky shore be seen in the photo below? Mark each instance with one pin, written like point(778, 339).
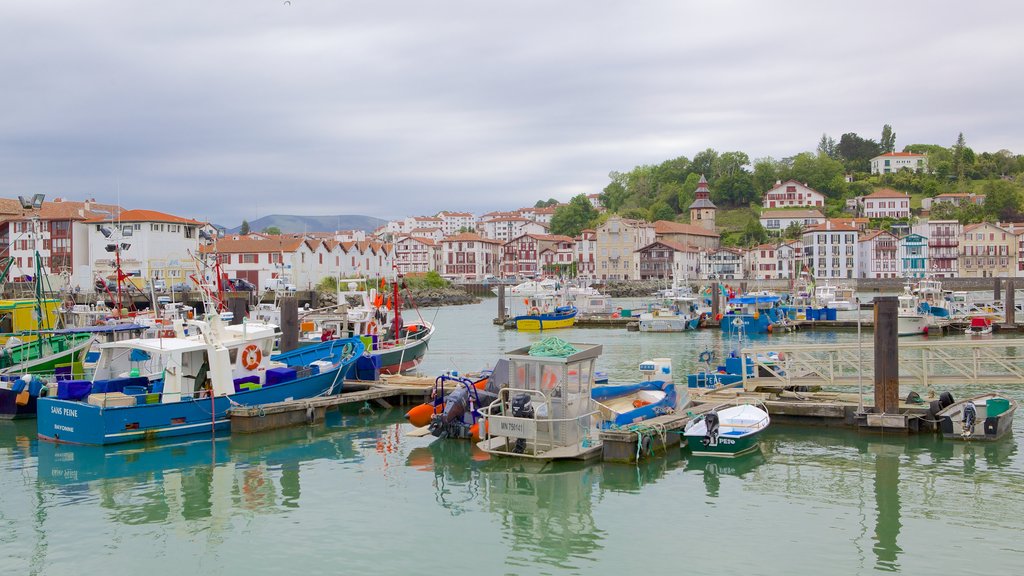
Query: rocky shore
point(422, 297)
point(632, 288)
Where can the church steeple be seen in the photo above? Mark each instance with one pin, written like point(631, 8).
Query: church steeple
point(702, 211)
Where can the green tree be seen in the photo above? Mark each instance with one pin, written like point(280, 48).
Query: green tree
point(614, 194)
point(753, 234)
point(244, 229)
point(570, 219)
point(661, 211)
point(272, 230)
point(546, 203)
point(888, 141)
point(1002, 200)
point(819, 172)
point(735, 189)
point(686, 193)
point(857, 152)
point(960, 158)
point(793, 232)
point(827, 147)
point(767, 171)
point(705, 162)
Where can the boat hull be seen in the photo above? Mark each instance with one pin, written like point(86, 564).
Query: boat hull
point(986, 428)
point(727, 446)
point(668, 324)
point(611, 399)
point(404, 358)
point(11, 410)
point(545, 321)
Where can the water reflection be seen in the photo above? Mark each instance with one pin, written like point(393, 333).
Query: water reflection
point(714, 468)
point(887, 505)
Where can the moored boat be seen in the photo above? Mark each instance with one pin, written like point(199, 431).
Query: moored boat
point(979, 326)
point(982, 417)
point(537, 318)
point(199, 377)
point(727, 432)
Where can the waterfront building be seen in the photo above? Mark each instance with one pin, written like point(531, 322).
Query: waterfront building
point(617, 239)
point(57, 229)
point(878, 254)
point(665, 260)
point(721, 264)
point(913, 256)
point(416, 254)
point(895, 161)
point(987, 251)
point(585, 254)
point(258, 260)
point(776, 221)
point(1017, 228)
point(790, 259)
point(152, 245)
point(792, 194)
point(536, 255)
point(830, 250)
point(471, 257)
point(943, 246)
point(763, 262)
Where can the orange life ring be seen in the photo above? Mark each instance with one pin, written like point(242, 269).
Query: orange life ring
point(718, 316)
point(550, 379)
point(251, 357)
point(616, 315)
point(166, 334)
point(371, 328)
point(534, 311)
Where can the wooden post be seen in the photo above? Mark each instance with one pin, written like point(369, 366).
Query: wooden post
point(1011, 314)
point(716, 306)
point(996, 289)
point(289, 323)
point(887, 364)
point(501, 303)
point(239, 307)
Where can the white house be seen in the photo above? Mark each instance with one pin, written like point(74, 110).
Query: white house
point(790, 259)
point(763, 262)
point(414, 254)
point(896, 161)
point(505, 228)
point(470, 256)
point(152, 245)
point(792, 194)
point(778, 220)
point(878, 252)
point(955, 199)
point(830, 250)
point(454, 222)
point(722, 264)
point(885, 203)
point(586, 254)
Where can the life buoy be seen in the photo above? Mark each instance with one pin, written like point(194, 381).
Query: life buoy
point(718, 317)
point(534, 311)
point(371, 328)
point(616, 315)
point(166, 334)
point(550, 380)
point(251, 357)
point(706, 356)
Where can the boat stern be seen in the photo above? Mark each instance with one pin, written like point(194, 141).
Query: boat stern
point(70, 422)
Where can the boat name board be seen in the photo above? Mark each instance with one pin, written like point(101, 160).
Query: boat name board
point(61, 411)
point(511, 427)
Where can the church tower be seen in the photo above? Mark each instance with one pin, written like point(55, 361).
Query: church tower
point(702, 211)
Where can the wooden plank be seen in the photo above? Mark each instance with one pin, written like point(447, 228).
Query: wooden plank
point(419, 432)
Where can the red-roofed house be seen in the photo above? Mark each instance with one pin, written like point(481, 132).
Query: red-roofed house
point(415, 254)
point(665, 260)
point(536, 255)
point(763, 262)
point(686, 234)
point(830, 250)
point(454, 222)
point(878, 255)
point(469, 256)
point(159, 245)
point(792, 194)
point(896, 161)
point(884, 203)
point(585, 254)
point(987, 251)
point(63, 237)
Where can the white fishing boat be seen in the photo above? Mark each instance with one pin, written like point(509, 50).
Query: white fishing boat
point(910, 320)
point(727, 432)
point(840, 297)
point(982, 417)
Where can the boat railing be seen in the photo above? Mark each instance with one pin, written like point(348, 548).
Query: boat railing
point(532, 436)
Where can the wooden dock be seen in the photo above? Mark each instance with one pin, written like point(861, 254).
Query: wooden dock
point(654, 436)
point(387, 392)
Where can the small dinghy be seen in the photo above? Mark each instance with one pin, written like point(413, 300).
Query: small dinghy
point(727, 432)
point(982, 417)
point(624, 404)
point(979, 326)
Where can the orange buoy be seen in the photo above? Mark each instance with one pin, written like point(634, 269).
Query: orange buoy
point(475, 431)
point(718, 317)
point(419, 416)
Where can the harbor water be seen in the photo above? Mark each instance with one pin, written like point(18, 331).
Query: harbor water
point(357, 496)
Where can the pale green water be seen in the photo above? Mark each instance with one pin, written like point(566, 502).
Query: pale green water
point(356, 496)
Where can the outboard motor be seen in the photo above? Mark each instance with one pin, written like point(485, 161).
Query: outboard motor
point(711, 429)
point(521, 408)
point(970, 415)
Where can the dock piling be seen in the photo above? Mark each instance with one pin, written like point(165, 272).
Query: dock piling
point(1011, 316)
point(887, 367)
point(501, 303)
point(239, 308)
point(715, 295)
point(289, 323)
point(996, 289)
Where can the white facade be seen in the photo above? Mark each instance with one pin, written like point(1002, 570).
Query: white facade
point(504, 229)
point(792, 194)
point(778, 220)
point(454, 222)
point(830, 251)
point(763, 262)
point(790, 259)
point(878, 254)
point(469, 257)
point(885, 203)
point(152, 245)
point(414, 254)
point(586, 254)
point(896, 161)
point(722, 264)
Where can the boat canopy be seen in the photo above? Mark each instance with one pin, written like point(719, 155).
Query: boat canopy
point(980, 322)
point(755, 300)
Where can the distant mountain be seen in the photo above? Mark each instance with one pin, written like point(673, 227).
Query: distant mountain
point(289, 223)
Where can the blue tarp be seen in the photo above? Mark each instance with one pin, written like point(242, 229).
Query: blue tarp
point(755, 300)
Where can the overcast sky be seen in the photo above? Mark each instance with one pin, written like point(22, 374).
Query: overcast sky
point(225, 110)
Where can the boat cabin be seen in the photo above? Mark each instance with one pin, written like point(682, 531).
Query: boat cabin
point(546, 410)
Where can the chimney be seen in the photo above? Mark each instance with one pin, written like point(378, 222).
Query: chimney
point(86, 206)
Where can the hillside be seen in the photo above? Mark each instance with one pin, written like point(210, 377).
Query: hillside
point(289, 223)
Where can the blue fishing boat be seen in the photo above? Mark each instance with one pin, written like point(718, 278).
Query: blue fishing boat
point(625, 404)
point(160, 387)
point(757, 313)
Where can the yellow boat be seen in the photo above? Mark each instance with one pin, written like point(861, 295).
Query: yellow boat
point(562, 317)
point(19, 315)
